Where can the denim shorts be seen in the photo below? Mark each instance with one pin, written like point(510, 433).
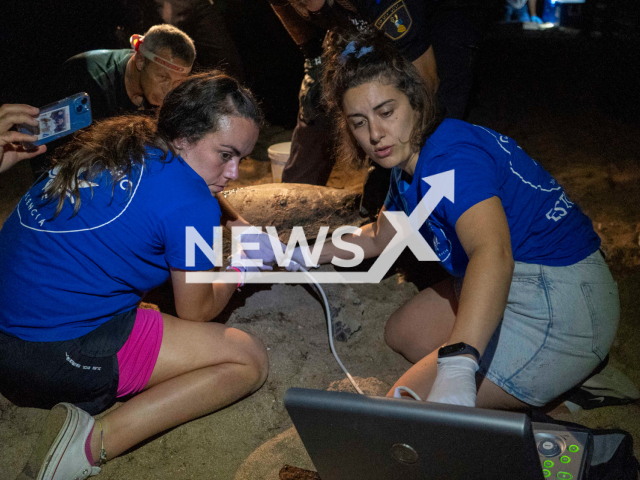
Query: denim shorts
point(558, 326)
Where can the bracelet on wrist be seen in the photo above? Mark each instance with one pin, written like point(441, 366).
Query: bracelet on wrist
point(459, 349)
point(240, 282)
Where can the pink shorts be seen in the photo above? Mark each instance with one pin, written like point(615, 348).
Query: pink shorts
point(137, 357)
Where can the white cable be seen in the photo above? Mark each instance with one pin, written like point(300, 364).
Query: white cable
point(330, 328)
point(397, 394)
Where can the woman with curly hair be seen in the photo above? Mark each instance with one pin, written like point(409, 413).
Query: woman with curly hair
point(530, 308)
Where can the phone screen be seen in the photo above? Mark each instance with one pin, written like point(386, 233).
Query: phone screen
point(54, 122)
point(59, 119)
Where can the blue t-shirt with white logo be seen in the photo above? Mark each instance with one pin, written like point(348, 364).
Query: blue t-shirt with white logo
point(62, 278)
point(546, 227)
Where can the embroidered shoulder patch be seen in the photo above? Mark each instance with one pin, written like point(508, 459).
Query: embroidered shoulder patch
point(395, 22)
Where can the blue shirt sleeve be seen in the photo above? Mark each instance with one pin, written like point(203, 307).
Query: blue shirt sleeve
point(390, 202)
point(203, 216)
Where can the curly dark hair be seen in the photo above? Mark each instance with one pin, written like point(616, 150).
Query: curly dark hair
point(190, 111)
point(381, 63)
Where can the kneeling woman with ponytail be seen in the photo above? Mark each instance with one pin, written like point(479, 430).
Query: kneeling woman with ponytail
point(107, 224)
point(530, 309)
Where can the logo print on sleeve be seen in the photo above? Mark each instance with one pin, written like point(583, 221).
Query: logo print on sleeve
point(439, 242)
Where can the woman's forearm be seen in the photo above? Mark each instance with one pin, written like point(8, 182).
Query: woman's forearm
point(484, 296)
point(230, 217)
point(207, 306)
point(368, 240)
point(373, 239)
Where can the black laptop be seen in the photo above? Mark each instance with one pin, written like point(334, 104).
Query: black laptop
point(360, 437)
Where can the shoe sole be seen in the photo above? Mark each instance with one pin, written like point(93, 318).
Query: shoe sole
point(58, 423)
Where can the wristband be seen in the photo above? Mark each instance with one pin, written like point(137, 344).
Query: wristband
point(240, 284)
point(459, 349)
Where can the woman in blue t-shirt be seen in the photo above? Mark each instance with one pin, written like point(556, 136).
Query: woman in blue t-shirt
point(531, 308)
point(120, 214)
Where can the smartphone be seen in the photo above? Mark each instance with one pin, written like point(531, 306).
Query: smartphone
point(59, 119)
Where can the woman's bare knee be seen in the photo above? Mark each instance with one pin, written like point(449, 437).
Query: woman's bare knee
point(393, 333)
point(424, 323)
point(404, 342)
point(254, 355)
point(188, 346)
point(261, 362)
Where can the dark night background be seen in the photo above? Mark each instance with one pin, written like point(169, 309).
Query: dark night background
point(596, 64)
point(38, 36)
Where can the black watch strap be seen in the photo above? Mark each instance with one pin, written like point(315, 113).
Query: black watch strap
point(458, 349)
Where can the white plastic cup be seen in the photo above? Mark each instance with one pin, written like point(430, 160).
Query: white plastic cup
point(278, 154)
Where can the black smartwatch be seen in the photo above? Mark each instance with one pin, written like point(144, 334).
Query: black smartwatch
point(458, 349)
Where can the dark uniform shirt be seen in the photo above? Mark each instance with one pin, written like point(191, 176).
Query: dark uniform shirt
point(403, 21)
point(100, 73)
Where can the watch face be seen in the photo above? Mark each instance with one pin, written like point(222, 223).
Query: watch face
point(451, 349)
point(458, 349)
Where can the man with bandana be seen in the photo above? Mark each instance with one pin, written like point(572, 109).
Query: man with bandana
point(130, 80)
point(439, 37)
point(125, 81)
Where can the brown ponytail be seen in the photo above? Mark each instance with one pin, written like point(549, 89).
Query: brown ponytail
point(113, 145)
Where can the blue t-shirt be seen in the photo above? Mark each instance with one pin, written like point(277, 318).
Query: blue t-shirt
point(546, 227)
point(62, 278)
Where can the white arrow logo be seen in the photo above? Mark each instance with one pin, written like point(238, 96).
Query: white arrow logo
point(407, 235)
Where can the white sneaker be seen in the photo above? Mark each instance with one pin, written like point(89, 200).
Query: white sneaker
point(60, 453)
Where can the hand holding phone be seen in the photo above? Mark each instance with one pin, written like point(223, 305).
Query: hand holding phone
point(59, 119)
point(11, 148)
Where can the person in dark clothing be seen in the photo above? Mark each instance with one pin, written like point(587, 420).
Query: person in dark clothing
point(128, 80)
point(439, 37)
point(125, 81)
point(206, 23)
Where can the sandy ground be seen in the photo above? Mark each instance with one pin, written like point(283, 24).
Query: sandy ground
point(565, 125)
